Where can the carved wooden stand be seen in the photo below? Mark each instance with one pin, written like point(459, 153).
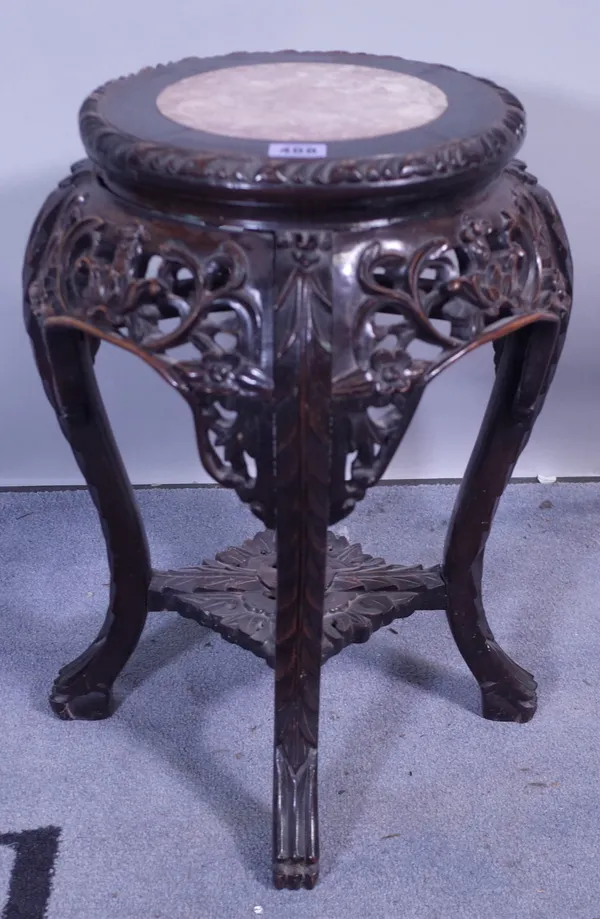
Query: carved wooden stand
point(303, 383)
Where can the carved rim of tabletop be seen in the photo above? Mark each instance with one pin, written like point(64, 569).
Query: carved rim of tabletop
point(234, 594)
point(138, 162)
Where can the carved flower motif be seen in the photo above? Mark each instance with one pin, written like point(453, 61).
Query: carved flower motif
point(556, 297)
point(219, 369)
point(474, 235)
point(394, 371)
point(495, 278)
point(500, 280)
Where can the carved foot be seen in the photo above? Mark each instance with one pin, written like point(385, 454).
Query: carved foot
point(296, 857)
point(78, 694)
point(71, 705)
point(293, 875)
point(511, 694)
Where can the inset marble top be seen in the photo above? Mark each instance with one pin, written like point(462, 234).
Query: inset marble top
point(302, 101)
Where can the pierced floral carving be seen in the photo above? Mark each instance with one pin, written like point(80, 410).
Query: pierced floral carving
point(423, 292)
point(117, 280)
point(112, 276)
point(448, 285)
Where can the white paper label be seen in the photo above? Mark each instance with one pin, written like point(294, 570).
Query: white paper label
point(309, 151)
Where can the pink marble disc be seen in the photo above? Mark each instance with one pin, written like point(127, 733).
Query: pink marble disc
point(302, 102)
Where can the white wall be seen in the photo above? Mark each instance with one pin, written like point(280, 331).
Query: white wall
point(54, 53)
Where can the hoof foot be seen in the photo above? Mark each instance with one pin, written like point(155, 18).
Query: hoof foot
point(509, 702)
point(294, 875)
point(85, 706)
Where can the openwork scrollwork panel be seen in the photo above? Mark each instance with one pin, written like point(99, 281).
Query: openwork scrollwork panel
point(185, 303)
point(198, 305)
point(424, 293)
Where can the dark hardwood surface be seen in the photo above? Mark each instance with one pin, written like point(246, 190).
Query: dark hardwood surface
point(236, 594)
point(129, 139)
point(310, 334)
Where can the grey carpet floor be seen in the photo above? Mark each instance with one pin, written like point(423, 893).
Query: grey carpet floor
point(427, 810)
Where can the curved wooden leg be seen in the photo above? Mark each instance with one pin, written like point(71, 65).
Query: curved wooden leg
point(65, 362)
point(525, 366)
